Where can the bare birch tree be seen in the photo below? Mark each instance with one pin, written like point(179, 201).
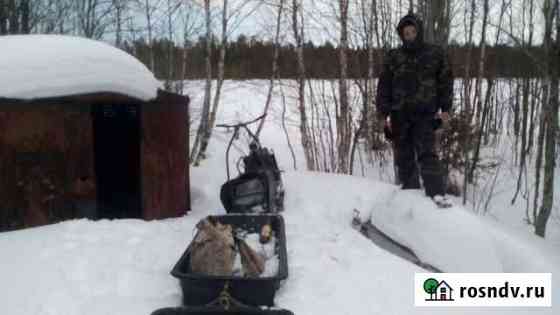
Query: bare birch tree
point(93, 17)
point(344, 114)
point(274, 74)
point(552, 50)
point(234, 19)
point(298, 27)
point(480, 118)
point(172, 8)
point(205, 115)
point(149, 8)
point(526, 88)
point(219, 83)
point(119, 8)
point(191, 26)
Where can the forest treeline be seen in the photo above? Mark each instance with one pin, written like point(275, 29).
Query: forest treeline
point(250, 58)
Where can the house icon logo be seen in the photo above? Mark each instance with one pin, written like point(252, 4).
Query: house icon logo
point(438, 290)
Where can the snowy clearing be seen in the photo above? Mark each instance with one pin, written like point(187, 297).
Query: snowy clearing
point(122, 267)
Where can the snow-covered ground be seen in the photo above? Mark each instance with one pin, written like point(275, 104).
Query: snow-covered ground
point(122, 267)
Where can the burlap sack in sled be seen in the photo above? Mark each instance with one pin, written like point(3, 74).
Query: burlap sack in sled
point(215, 247)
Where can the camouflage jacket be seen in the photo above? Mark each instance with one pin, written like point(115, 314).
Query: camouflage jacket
point(419, 82)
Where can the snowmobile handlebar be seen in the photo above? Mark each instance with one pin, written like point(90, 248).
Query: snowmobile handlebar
point(242, 124)
point(236, 127)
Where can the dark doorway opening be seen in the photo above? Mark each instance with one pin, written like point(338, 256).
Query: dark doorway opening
point(116, 132)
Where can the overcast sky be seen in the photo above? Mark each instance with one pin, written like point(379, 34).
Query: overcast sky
point(256, 18)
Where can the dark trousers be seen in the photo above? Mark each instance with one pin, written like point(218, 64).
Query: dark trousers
point(414, 140)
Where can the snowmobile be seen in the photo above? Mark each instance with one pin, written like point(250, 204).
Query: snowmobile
point(258, 188)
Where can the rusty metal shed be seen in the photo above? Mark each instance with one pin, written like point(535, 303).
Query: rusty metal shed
point(97, 154)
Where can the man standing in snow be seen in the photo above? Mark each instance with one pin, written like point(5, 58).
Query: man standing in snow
point(415, 86)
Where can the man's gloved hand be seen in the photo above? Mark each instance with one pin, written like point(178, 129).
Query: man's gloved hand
point(444, 116)
point(387, 129)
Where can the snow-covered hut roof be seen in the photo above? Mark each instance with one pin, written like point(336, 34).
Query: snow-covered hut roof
point(44, 66)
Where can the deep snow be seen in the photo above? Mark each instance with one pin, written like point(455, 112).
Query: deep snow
point(40, 66)
point(122, 267)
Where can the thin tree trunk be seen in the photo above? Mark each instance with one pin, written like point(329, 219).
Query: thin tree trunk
point(185, 53)
point(483, 122)
point(445, 23)
point(150, 37)
point(478, 97)
point(375, 10)
point(539, 158)
point(481, 63)
point(368, 108)
point(468, 61)
point(313, 128)
point(355, 142)
point(170, 45)
point(14, 23)
point(274, 75)
point(221, 66)
point(25, 9)
point(550, 9)
point(3, 18)
point(362, 167)
point(299, 38)
point(429, 17)
point(117, 4)
point(534, 90)
point(523, 149)
point(184, 64)
point(467, 84)
point(534, 108)
point(220, 81)
point(332, 131)
point(285, 128)
point(343, 126)
point(526, 92)
point(205, 115)
point(516, 113)
point(549, 163)
point(322, 136)
point(437, 23)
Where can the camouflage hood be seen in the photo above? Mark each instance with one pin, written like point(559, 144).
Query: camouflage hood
point(411, 19)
